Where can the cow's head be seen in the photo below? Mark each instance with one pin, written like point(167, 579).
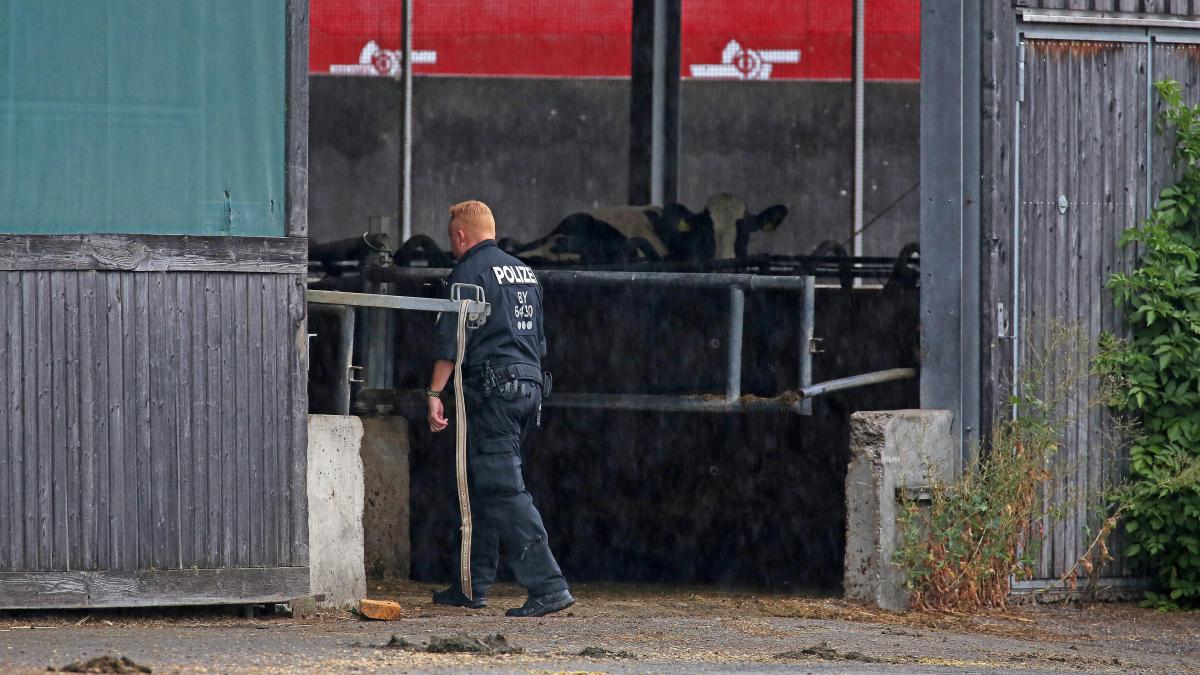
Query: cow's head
point(722, 230)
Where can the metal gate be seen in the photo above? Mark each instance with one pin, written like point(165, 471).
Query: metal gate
point(1088, 166)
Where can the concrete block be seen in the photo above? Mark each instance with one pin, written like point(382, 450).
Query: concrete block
point(888, 450)
point(335, 510)
point(386, 511)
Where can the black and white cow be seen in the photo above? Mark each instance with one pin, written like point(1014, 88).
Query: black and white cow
point(632, 233)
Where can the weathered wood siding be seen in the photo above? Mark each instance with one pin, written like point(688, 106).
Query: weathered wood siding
point(1084, 133)
point(1176, 7)
point(151, 420)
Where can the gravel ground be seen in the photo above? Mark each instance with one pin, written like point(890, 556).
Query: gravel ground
point(643, 629)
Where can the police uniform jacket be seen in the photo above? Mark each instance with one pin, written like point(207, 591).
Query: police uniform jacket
point(512, 334)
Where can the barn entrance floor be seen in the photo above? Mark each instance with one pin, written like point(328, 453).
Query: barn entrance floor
point(659, 629)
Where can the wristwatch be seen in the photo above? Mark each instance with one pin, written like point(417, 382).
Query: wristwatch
point(429, 393)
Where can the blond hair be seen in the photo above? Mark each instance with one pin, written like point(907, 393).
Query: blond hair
point(474, 218)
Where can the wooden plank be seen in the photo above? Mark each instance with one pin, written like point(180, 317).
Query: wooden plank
point(58, 419)
point(142, 588)
point(161, 445)
point(153, 253)
point(98, 392)
point(243, 485)
point(229, 439)
point(213, 421)
point(999, 105)
point(183, 394)
point(140, 372)
point(254, 421)
point(122, 525)
point(8, 544)
point(88, 502)
point(298, 418)
point(1098, 440)
point(1063, 156)
point(272, 413)
point(196, 347)
point(281, 330)
point(296, 132)
point(1130, 5)
point(28, 373)
point(1086, 222)
point(74, 553)
point(45, 423)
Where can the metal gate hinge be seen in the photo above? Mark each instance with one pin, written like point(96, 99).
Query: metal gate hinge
point(1002, 323)
point(814, 346)
point(361, 374)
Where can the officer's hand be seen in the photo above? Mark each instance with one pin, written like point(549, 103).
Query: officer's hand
point(437, 415)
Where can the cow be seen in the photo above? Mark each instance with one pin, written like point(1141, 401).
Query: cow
point(635, 233)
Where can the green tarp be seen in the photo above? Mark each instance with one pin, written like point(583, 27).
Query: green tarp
point(142, 116)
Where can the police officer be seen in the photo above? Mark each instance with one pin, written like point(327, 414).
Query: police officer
point(502, 387)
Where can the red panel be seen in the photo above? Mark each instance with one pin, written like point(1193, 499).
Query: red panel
point(741, 39)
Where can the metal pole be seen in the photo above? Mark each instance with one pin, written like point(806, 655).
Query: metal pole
point(855, 381)
point(345, 358)
point(658, 94)
point(750, 282)
point(859, 95)
point(406, 129)
point(807, 315)
point(1015, 322)
point(737, 313)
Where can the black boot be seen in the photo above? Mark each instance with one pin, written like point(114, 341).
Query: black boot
point(455, 598)
point(544, 604)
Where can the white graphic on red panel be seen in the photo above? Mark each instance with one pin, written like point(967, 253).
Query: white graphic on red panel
point(739, 63)
point(375, 61)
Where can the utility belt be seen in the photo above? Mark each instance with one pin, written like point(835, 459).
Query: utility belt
point(510, 381)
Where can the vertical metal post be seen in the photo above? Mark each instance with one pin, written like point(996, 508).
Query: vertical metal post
point(1149, 125)
point(406, 129)
point(1015, 322)
point(345, 358)
point(737, 314)
point(859, 105)
point(654, 102)
point(807, 314)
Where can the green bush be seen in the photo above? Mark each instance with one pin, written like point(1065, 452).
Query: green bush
point(1157, 369)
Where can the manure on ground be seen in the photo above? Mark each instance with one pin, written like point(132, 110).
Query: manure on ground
point(104, 664)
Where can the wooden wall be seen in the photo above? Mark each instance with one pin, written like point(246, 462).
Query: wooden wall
point(1176, 7)
point(1084, 133)
point(1084, 137)
point(152, 421)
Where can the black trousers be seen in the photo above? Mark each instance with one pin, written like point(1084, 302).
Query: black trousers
point(501, 508)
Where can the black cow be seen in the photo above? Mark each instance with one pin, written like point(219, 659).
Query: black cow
point(632, 233)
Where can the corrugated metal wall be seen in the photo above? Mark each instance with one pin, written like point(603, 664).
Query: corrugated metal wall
point(150, 421)
point(1083, 126)
point(1178, 7)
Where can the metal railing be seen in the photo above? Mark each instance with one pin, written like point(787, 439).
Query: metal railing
point(797, 401)
point(736, 284)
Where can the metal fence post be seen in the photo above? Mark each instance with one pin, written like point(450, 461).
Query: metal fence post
point(737, 314)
